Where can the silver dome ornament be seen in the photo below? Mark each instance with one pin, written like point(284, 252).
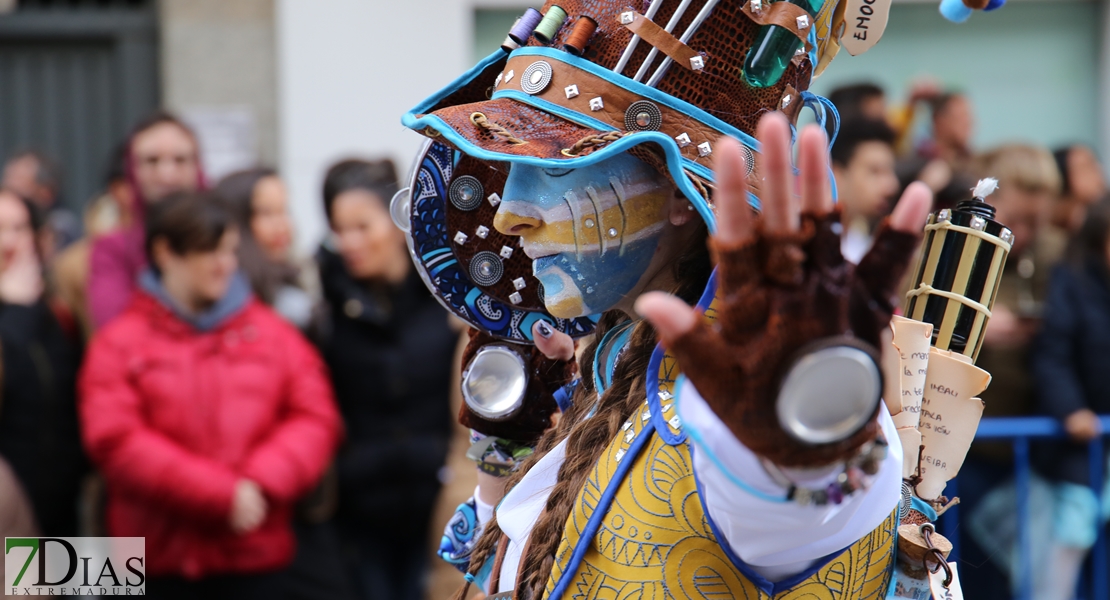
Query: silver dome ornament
point(536, 77)
point(749, 160)
point(494, 383)
point(643, 115)
point(399, 209)
point(486, 268)
point(831, 392)
point(466, 192)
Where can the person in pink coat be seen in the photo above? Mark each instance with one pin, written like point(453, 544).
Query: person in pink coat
point(162, 157)
point(208, 415)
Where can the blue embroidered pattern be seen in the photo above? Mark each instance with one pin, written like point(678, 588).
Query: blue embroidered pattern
point(459, 536)
point(440, 267)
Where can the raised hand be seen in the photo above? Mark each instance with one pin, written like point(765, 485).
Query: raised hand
point(782, 284)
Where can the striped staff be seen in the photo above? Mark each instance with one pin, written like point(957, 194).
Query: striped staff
point(962, 257)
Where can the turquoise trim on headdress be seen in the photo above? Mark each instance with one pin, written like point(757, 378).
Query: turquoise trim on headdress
point(676, 163)
point(560, 111)
point(673, 157)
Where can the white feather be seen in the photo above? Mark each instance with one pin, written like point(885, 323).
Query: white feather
point(985, 188)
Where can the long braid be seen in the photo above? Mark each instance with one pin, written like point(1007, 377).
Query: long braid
point(486, 545)
point(588, 437)
point(589, 440)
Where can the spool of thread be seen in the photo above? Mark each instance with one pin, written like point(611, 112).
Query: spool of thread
point(510, 43)
point(549, 26)
point(524, 26)
point(580, 35)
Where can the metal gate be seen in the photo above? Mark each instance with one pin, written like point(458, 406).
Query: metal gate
point(74, 75)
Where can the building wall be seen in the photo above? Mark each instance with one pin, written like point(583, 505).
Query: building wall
point(1029, 69)
point(349, 70)
point(219, 71)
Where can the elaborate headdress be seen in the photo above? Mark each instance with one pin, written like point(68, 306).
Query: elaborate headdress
point(580, 81)
point(585, 79)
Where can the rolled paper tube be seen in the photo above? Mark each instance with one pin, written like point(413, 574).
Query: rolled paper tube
point(580, 35)
point(549, 26)
point(524, 26)
point(950, 415)
point(911, 341)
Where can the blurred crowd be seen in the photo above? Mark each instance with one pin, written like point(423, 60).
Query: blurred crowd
point(1049, 333)
point(274, 426)
point(278, 426)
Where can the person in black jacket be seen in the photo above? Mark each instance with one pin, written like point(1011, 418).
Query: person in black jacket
point(38, 414)
point(1070, 360)
point(1073, 348)
point(390, 350)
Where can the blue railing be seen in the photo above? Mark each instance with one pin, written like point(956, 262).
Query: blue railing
point(1020, 431)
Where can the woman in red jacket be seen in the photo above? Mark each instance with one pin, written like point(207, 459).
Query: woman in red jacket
point(208, 415)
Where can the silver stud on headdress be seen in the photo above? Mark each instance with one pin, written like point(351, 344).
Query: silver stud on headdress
point(460, 238)
point(627, 17)
point(683, 140)
point(516, 298)
point(466, 192)
point(571, 90)
point(705, 149)
point(697, 63)
point(597, 104)
point(643, 115)
point(519, 283)
point(494, 199)
point(506, 252)
point(482, 231)
point(803, 21)
point(536, 77)
point(509, 76)
point(486, 268)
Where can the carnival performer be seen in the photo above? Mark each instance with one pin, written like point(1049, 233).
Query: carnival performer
point(725, 434)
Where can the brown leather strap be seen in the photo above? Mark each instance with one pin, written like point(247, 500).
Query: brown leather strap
point(495, 576)
point(615, 103)
point(662, 40)
point(783, 14)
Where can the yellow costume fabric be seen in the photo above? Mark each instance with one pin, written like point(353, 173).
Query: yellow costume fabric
point(656, 542)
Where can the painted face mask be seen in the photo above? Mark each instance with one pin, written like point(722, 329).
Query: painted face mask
point(591, 232)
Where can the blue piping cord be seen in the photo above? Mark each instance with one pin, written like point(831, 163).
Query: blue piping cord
point(589, 532)
point(824, 109)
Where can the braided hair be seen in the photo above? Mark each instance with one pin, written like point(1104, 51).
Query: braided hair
point(589, 435)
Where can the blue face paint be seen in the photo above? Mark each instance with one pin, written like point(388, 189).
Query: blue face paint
point(592, 232)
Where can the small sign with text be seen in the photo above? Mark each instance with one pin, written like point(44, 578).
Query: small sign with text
point(79, 566)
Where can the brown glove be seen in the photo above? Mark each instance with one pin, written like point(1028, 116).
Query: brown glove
point(779, 293)
point(545, 376)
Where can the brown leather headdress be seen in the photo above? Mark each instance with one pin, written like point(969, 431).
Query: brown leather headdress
point(675, 79)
